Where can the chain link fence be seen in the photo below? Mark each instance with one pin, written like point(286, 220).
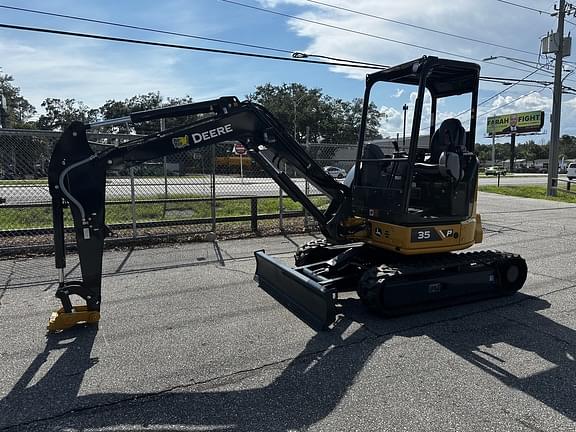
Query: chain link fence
point(183, 196)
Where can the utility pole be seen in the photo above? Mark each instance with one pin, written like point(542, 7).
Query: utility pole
point(405, 108)
point(493, 148)
point(562, 11)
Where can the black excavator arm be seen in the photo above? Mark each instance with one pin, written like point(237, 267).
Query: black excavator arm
point(77, 178)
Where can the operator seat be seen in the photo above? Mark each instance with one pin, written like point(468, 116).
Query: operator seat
point(447, 149)
point(372, 165)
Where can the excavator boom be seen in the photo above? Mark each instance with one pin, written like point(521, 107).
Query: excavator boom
point(77, 178)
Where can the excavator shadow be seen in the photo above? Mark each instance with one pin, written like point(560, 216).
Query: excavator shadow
point(283, 396)
point(509, 339)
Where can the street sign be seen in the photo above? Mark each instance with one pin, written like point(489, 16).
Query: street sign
point(239, 149)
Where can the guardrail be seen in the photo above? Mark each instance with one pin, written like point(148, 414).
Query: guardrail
point(568, 183)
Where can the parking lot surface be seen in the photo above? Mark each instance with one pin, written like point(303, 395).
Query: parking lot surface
point(188, 342)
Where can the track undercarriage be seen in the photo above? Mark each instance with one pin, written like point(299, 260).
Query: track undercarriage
point(388, 284)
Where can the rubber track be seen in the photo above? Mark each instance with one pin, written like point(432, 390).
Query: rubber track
point(419, 268)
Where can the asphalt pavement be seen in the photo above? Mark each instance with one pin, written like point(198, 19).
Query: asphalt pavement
point(188, 342)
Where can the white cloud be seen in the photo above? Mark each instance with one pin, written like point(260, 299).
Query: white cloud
point(371, 39)
point(94, 71)
point(399, 92)
point(72, 72)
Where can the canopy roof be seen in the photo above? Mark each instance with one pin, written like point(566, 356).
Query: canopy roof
point(446, 78)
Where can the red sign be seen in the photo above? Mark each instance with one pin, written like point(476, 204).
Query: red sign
point(239, 149)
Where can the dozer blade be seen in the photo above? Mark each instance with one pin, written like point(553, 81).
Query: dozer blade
point(61, 320)
point(304, 297)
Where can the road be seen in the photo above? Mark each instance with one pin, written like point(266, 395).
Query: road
point(187, 342)
point(226, 186)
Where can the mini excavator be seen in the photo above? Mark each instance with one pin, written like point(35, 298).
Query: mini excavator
point(394, 229)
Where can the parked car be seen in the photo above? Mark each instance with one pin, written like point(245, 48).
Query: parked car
point(495, 170)
point(335, 171)
point(571, 171)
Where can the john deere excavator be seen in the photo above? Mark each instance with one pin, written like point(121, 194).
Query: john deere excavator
point(391, 229)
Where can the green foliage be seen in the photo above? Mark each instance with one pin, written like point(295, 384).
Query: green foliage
point(567, 147)
point(533, 191)
point(60, 113)
point(117, 109)
point(20, 111)
point(528, 150)
point(308, 112)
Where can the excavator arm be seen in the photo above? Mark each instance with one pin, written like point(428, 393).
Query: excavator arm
point(77, 178)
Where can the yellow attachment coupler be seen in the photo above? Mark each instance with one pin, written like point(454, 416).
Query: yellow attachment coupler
point(61, 320)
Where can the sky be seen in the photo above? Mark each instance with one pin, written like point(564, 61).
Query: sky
point(383, 32)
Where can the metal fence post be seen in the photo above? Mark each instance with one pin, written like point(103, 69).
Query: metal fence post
point(213, 190)
point(281, 206)
point(164, 160)
point(133, 203)
point(307, 192)
point(254, 213)
point(306, 184)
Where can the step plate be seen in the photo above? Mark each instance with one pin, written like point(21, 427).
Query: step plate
point(307, 299)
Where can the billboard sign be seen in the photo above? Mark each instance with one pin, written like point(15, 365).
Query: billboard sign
point(516, 123)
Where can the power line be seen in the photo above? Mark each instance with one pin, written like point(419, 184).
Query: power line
point(498, 94)
point(541, 86)
point(508, 103)
point(187, 47)
point(348, 30)
point(166, 32)
point(420, 27)
point(523, 7)
point(238, 53)
point(344, 62)
point(505, 90)
point(347, 63)
point(498, 79)
point(297, 55)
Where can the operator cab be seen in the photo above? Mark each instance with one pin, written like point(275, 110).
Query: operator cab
point(434, 176)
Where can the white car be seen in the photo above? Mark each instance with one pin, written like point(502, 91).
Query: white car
point(571, 172)
point(335, 171)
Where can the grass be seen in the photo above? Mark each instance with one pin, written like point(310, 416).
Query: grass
point(530, 191)
point(24, 182)
point(41, 217)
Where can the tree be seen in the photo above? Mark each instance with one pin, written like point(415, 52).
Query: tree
point(20, 111)
point(60, 113)
point(532, 151)
point(296, 107)
point(348, 117)
point(308, 113)
point(568, 147)
point(117, 109)
point(484, 152)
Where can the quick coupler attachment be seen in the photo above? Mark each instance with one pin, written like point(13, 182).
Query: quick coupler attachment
point(61, 320)
point(68, 316)
point(311, 302)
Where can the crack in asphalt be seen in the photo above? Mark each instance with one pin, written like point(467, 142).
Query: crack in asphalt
point(6, 286)
point(372, 337)
point(217, 381)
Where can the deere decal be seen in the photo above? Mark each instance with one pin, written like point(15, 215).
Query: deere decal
point(515, 123)
point(181, 142)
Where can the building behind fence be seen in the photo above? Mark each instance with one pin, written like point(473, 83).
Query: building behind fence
point(210, 189)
